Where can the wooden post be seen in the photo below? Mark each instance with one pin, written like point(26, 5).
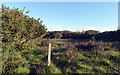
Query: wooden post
point(49, 54)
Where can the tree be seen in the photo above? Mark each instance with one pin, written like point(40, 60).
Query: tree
point(18, 28)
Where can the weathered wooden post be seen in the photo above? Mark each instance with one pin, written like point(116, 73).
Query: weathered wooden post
point(49, 54)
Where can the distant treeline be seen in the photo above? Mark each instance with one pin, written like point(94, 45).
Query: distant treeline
point(90, 34)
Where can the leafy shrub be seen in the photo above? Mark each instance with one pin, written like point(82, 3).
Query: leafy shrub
point(44, 43)
point(22, 70)
point(63, 62)
point(19, 28)
point(53, 69)
point(25, 52)
point(12, 60)
point(107, 48)
point(106, 62)
point(45, 69)
point(99, 69)
point(92, 46)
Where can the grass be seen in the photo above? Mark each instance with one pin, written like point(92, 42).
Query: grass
point(72, 56)
point(88, 61)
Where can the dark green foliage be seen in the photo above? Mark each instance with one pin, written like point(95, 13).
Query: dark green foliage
point(91, 45)
point(55, 34)
point(91, 32)
point(105, 62)
point(88, 35)
point(45, 69)
point(108, 36)
point(12, 60)
point(118, 35)
point(19, 28)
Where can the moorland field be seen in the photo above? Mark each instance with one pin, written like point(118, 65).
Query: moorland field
point(25, 47)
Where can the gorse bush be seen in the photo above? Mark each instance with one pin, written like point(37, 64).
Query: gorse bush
point(91, 45)
point(12, 60)
point(105, 62)
point(52, 69)
point(17, 30)
point(43, 68)
point(22, 70)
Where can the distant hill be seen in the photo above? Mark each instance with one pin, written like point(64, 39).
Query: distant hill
point(105, 36)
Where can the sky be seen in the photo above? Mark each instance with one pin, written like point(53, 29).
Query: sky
point(59, 0)
point(73, 16)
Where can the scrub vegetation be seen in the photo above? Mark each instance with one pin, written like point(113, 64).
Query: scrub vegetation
point(25, 47)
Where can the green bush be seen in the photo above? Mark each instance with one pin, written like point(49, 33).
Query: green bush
point(18, 27)
point(22, 70)
point(51, 69)
point(12, 60)
point(99, 69)
point(106, 62)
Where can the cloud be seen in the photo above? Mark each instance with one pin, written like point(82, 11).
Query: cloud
point(89, 28)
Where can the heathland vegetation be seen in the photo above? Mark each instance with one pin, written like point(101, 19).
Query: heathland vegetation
point(25, 47)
